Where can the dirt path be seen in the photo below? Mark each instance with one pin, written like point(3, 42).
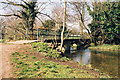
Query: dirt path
point(5, 52)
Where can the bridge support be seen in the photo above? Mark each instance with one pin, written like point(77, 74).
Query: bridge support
point(68, 43)
point(80, 44)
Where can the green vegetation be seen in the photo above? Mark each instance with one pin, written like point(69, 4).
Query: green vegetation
point(48, 51)
point(29, 67)
point(106, 47)
point(63, 59)
point(49, 24)
point(40, 47)
point(33, 57)
point(105, 25)
point(2, 40)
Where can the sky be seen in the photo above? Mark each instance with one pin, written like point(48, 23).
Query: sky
point(48, 8)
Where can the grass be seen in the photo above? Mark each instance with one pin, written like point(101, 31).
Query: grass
point(106, 47)
point(2, 40)
point(26, 66)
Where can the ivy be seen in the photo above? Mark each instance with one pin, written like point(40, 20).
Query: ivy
point(106, 20)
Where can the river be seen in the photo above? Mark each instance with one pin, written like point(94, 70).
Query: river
point(105, 62)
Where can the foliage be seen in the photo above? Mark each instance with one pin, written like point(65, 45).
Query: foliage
point(40, 46)
point(29, 13)
point(105, 24)
point(2, 40)
point(33, 57)
point(49, 24)
point(106, 47)
point(53, 54)
point(32, 68)
point(48, 52)
point(63, 59)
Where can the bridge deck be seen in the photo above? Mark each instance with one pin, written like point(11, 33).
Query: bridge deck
point(52, 34)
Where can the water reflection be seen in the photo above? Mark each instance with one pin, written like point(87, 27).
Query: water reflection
point(99, 60)
point(84, 58)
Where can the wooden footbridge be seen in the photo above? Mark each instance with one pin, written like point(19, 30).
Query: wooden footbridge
point(45, 34)
point(53, 36)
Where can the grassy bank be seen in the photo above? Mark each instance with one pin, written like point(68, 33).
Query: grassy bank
point(27, 66)
point(48, 51)
point(106, 47)
point(32, 62)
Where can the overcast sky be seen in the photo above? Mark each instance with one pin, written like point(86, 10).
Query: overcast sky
point(48, 9)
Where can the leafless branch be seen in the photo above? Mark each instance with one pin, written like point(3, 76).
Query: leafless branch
point(47, 16)
point(44, 7)
point(16, 29)
point(12, 3)
point(67, 34)
point(40, 20)
point(11, 15)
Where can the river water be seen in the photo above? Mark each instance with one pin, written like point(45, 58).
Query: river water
point(106, 62)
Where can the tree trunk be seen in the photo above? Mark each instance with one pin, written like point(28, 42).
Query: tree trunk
point(37, 34)
point(81, 27)
point(32, 34)
point(64, 24)
point(26, 35)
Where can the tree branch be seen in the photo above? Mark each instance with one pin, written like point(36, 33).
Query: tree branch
point(88, 7)
point(47, 16)
point(16, 29)
point(25, 2)
point(79, 13)
point(11, 15)
point(41, 21)
point(12, 3)
point(44, 7)
point(67, 34)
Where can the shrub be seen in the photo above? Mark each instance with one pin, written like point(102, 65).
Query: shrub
point(15, 54)
point(52, 54)
point(33, 57)
point(25, 56)
point(48, 52)
point(41, 47)
point(63, 59)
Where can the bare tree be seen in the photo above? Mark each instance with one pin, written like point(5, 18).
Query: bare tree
point(64, 24)
point(14, 28)
point(57, 13)
point(80, 9)
point(28, 13)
